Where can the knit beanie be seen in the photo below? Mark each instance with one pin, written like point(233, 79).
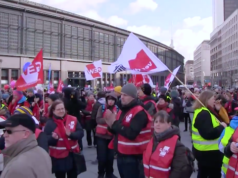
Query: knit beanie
point(174, 94)
point(54, 97)
point(18, 93)
point(30, 90)
point(163, 90)
point(130, 90)
point(146, 88)
point(117, 89)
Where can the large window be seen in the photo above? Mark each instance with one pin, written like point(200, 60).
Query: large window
point(56, 77)
point(42, 34)
point(4, 78)
point(77, 42)
point(10, 33)
point(103, 47)
point(14, 74)
point(120, 43)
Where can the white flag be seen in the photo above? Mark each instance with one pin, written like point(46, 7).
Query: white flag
point(137, 58)
point(172, 76)
point(94, 70)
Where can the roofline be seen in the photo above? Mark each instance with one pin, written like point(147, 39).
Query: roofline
point(61, 14)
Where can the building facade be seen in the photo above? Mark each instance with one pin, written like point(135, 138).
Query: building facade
point(218, 13)
point(69, 42)
point(229, 7)
point(202, 63)
point(189, 72)
point(224, 52)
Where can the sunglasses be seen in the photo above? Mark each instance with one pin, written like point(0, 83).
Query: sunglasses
point(12, 131)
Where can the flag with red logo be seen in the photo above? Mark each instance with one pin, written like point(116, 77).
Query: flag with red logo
point(60, 86)
point(94, 70)
point(137, 58)
point(170, 77)
point(139, 79)
point(51, 88)
point(33, 74)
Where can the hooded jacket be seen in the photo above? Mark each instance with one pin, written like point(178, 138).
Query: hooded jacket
point(180, 167)
point(99, 116)
point(25, 159)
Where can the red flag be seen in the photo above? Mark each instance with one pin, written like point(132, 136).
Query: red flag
point(51, 90)
point(60, 86)
point(33, 75)
point(167, 80)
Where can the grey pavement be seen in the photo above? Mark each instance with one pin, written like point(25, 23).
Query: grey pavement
point(90, 155)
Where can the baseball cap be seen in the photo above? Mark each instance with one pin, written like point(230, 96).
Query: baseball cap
point(19, 119)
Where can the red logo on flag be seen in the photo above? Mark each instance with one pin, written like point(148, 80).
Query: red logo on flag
point(142, 62)
point(33, 75)
point(167, 80)
point(95, 72)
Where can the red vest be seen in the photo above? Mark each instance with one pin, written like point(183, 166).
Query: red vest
point(232, 171)
point(152, 101)
point(60, 150)
point(37, 132)
point(157, 164)
point(102, 128)
point(137, 146)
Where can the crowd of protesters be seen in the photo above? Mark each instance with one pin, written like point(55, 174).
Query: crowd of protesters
point(41, 133)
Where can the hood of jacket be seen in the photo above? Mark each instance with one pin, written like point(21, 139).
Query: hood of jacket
point(67, 92)
point(102, 101)
point(147, 98)
point(234, 122)
point(112, 95)
point(158, 137)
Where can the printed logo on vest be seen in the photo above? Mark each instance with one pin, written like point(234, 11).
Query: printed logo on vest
point(71, 125)
point(164, 151)
point(128, 118)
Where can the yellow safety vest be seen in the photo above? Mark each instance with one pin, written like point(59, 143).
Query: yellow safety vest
point(2, 106)
point(224, 141)
point(199, 142)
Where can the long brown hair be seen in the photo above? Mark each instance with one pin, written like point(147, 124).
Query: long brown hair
point(53, 106)
point(203, 97)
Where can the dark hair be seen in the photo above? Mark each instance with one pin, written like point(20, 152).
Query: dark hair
point(53, 106)
point(164, 116)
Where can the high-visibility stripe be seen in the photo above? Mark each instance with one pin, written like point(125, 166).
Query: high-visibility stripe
point(157, 168)
point(61, 139)
point(104, 127)
point(63, 148)
point(136, 144)
point(145, 131)
point(233, 169)
point(205, 142)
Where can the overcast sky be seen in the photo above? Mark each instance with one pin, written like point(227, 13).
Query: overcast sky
point(188, 22)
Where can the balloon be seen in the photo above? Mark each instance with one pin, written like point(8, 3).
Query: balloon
point(6, 87)
point(26, 65)
point(13, 83)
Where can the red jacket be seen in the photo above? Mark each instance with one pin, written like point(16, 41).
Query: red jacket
point(232, 171)
point(61, 150)
point(137, 146)
point(102, 128)
point(157, 162)
point(14, 106)
point(36, 109)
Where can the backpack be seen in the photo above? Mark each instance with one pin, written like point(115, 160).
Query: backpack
point(191, 158)
point(103, 108)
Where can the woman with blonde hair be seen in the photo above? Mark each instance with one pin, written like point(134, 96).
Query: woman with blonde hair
point(206, 131)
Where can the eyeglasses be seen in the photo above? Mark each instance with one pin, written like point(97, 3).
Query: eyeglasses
point(12, 131)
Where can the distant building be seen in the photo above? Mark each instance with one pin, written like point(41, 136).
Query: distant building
point(189, 72)
point(202, 63)
point(218, 13)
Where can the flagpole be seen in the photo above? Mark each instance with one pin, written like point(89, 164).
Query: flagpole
point(188, 90)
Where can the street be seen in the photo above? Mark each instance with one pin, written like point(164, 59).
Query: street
point(90, 155)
